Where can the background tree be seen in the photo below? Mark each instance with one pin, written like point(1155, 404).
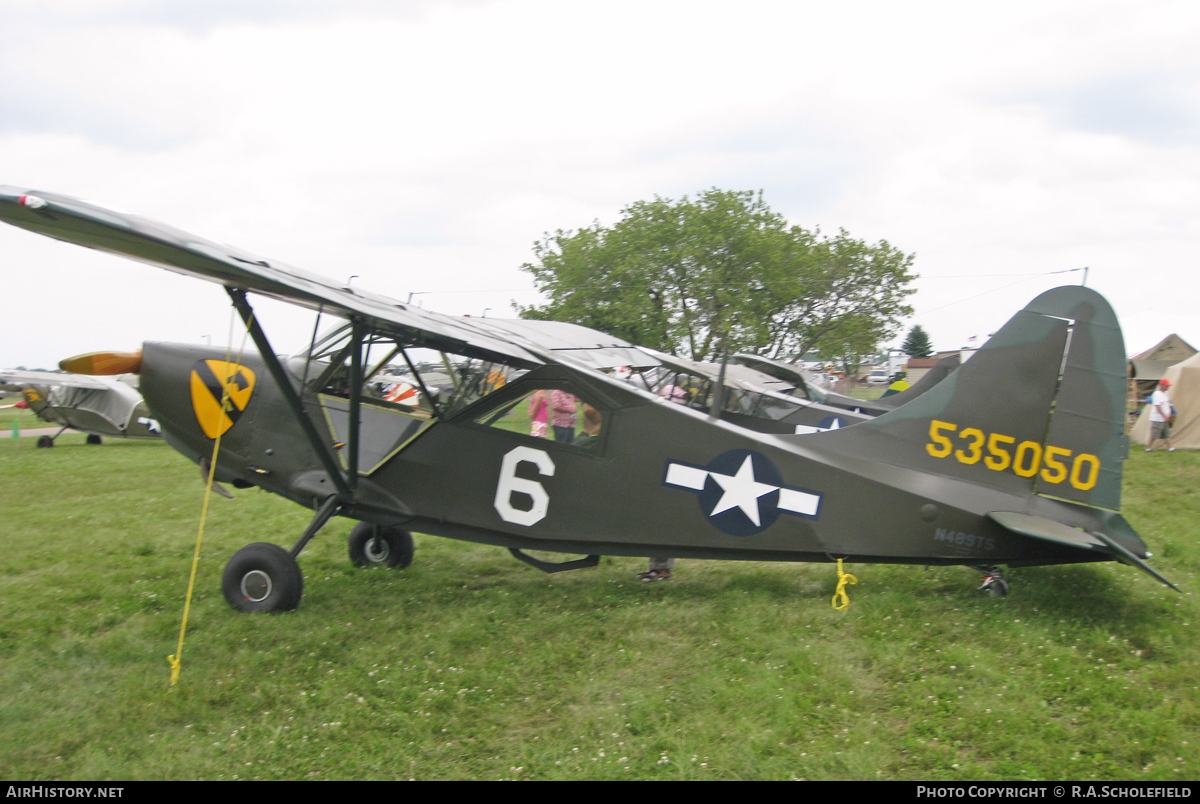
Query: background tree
point(695, 277)
point(917, 344)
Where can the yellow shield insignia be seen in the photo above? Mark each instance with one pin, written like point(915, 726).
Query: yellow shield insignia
point(212, 380)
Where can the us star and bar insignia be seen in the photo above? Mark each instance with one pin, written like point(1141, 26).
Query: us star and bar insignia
point(741, 492)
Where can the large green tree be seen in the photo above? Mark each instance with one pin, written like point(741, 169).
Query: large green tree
point(722, 272)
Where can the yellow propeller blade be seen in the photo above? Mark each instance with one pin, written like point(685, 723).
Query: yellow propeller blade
point(103, 363)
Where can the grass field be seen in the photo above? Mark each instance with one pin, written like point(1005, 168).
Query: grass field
point(471, 665)
point(866, 393)
point(24, 419)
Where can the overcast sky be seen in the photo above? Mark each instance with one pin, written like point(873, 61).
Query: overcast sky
point(424, 146)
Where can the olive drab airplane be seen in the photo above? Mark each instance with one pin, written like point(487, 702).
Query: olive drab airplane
point(96, 405)
point(514, 434)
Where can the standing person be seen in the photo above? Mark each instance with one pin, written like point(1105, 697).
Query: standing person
point(1160, 416)
point(539, 415)
point(562, 417)
point(660, 570)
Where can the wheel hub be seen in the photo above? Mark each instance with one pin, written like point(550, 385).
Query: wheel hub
point(377, 550)
point(256, 586)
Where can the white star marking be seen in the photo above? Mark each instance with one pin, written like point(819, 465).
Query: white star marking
point(741, 491)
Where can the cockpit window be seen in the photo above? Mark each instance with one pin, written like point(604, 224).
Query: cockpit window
point(557, 413)
point(418, 381)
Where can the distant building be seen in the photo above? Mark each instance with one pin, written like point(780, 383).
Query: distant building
point(918, 367)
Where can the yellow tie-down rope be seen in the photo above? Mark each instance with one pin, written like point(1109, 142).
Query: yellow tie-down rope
point(843, 579)
point(176, 659)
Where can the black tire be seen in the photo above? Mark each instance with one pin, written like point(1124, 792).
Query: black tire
point(379, 546)
point(262, 577)
point(45, 442)
point(94, 439)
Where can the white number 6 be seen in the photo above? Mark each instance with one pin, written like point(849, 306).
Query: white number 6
point(510, 483)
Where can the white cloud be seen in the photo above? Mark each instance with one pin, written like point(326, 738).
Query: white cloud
point(426, 148)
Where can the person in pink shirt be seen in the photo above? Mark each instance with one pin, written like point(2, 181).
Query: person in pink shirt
point(539, 415)
point(562, 417)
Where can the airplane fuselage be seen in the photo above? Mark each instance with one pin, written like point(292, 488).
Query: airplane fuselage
point(658, 479)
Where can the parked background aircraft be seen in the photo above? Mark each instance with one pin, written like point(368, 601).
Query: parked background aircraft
point(1015, 459)
point(96, 405)
point(806, 387)
point(751, 398)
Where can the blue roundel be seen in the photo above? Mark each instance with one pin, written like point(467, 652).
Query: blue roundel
point(741, 494)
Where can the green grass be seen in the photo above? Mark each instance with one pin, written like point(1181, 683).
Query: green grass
point(868, 393)
point(469, 665)
point(25, 419)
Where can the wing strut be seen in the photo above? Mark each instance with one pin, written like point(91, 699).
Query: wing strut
point(356, 381)
point(238, 296)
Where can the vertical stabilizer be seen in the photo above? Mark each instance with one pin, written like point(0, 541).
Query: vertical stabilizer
point(1038, 410)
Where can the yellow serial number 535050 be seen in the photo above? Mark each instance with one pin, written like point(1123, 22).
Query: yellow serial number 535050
point(1026, 460)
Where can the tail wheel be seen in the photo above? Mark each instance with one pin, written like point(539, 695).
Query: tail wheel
point(380, 546)
point(44, 442)
point(262, 577)
point(94, 439)
point(994, 584)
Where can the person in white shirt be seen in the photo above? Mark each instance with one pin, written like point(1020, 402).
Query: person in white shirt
point(1160, 416)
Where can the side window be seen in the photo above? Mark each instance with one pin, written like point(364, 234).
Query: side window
point(683, 389)
point(554, 413)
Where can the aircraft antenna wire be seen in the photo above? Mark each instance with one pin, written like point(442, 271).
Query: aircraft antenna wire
point(176, 659)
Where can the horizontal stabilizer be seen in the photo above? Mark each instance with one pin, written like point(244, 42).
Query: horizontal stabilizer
point(1047, 529)
point(1126, 557)
point(1051, 531)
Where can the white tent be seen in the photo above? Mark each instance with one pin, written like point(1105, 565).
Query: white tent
point(1185, 396)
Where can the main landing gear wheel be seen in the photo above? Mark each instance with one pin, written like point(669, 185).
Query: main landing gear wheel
point(94, 439)
point(262, 577)
point(380, 546)
point(44, 442)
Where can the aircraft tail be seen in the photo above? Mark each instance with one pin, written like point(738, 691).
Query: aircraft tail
point(940, 371)
point(1038, 410)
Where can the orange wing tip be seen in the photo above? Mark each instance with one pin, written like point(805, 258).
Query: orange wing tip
point(103, 363)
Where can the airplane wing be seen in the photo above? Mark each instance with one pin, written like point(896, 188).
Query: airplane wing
point(17, 380)
point(593, 348)
point(737, 377)
point(83, 223)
